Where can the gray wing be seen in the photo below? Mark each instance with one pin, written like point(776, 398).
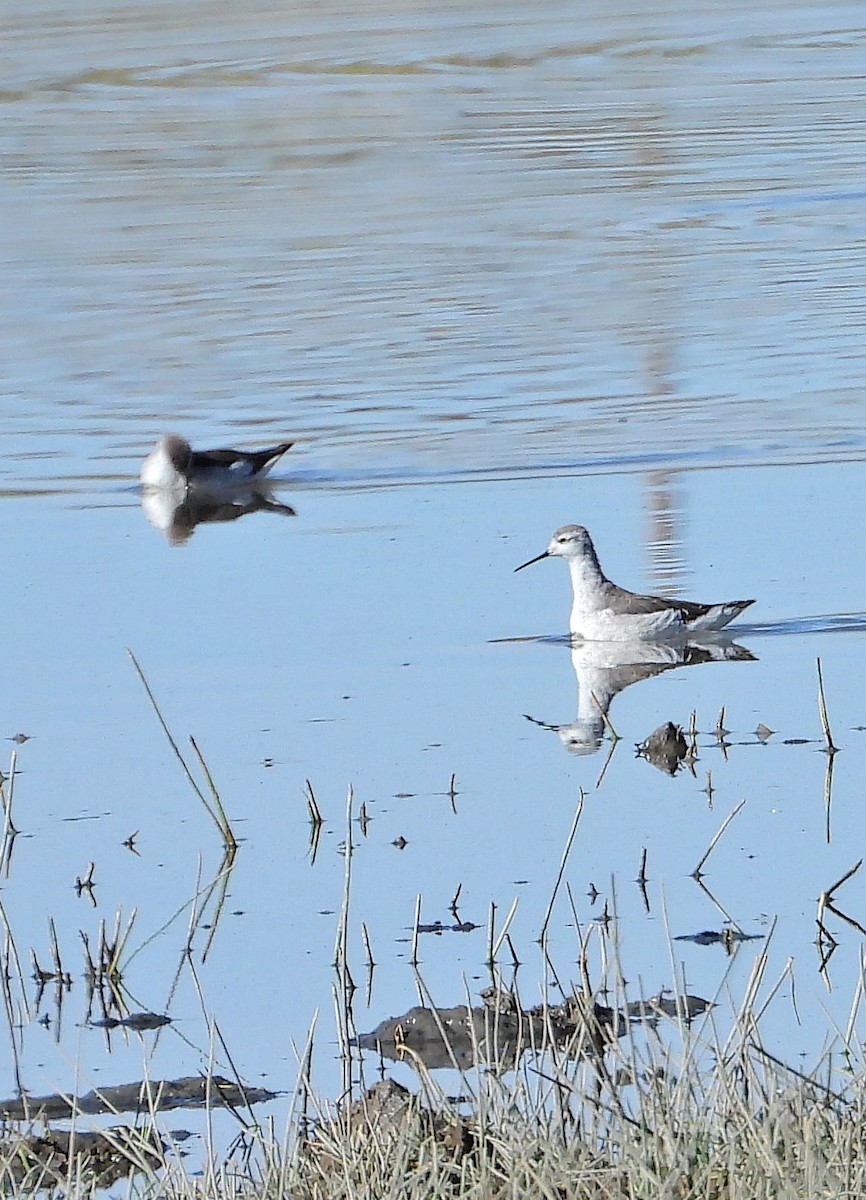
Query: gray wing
point(624, 603)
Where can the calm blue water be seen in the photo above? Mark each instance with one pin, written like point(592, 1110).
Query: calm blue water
point(495, 272)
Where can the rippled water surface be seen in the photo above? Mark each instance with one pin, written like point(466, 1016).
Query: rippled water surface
point(495, 269)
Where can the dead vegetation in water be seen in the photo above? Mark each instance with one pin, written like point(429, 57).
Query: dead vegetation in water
point(598, 1097)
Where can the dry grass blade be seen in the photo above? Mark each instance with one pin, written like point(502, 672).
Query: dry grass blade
point(696, 874)
point(221, 823)
point(568, 844)
point(822, 712)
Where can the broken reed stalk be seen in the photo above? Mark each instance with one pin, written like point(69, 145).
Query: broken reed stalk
point(696, 874)
point(55, 948)
point(7, 791)
point(543, 935)
point(300, 1103)
point(504, 933)
point(366, 939)
point(120, 939)
point(222, 825)
point(312, 806)
point(825, 902)
point(416, 923)
point(344, 983)
point(822, 712)
point(229, 840)
point(11, 959)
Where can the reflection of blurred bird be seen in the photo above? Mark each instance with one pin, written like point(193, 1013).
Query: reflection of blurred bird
point(176, 513)
point(603, 669)
point(173, 464)
point(602, 611)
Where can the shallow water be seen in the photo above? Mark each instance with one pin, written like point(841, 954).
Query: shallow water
point(495, 272)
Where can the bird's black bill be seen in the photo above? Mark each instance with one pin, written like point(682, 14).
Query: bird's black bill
point(537, 558)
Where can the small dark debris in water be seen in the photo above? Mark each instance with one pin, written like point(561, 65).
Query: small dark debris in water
point(797, 741)
point(404, 795)
point(687, 1007)
point(714, 937)
point(267, 762)
point(192, 1091)
point(181, 1135)
point(400, 843)
point(458, 927)
point(19, 738)
point(665, 748)
point(763, 733)
point(136, 1021)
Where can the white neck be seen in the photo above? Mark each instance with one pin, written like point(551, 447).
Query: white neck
point(588, 583)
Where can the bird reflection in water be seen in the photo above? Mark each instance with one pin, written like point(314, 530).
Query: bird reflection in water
point(604, 669)
point(176, 516)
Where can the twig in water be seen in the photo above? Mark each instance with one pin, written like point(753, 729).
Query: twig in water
point(828, 792)
point(543, 935)
point(55, 949)
point(822, 712)
point(345, 984)
point(86, 884)
point(825, 901)
point(614, 736)
point(312, 806)
point(221, 826)
point(696, 874)
point(843, 879)
point(415, 929)
point(366, 938)
point(505, 929)
point(515, 961)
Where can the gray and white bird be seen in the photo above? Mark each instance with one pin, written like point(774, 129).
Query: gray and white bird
point(602, 611)
point(173, 465)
